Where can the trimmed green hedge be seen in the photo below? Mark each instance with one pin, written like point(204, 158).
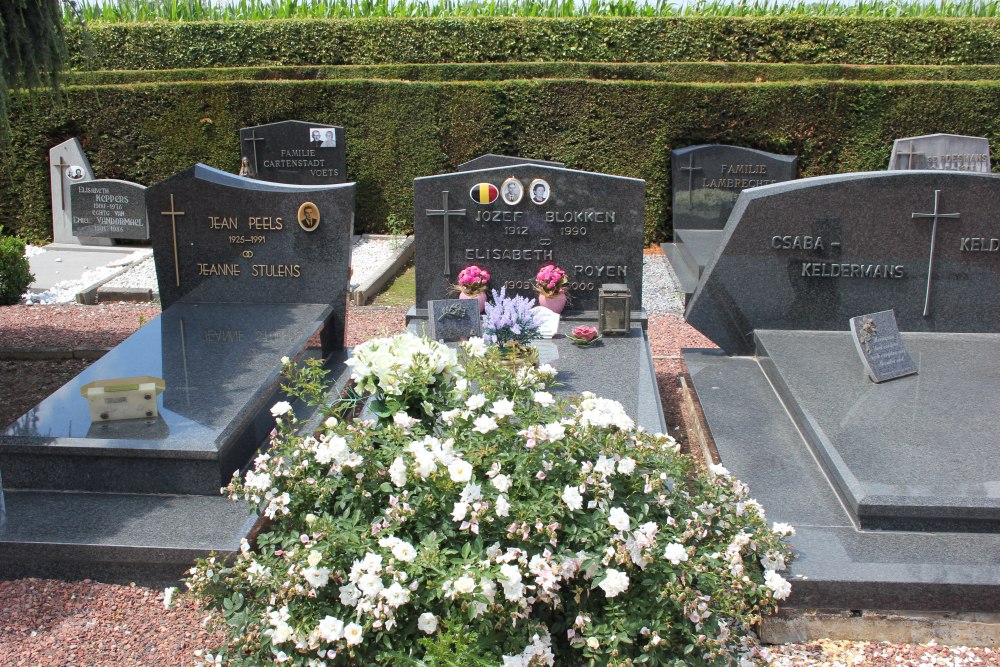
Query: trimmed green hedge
point(678, 72)
point(399, 130)
point(798, 39)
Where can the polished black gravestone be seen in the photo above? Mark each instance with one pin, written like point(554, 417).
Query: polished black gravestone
point(452, 320)
point(893, 488)
point(109, 208)
point(951, 152)
point(880, 347)
point(513, 220)
point(491, 160)
point(812, 253)
point(250, 272)
point(707, 179)
point(295, 152)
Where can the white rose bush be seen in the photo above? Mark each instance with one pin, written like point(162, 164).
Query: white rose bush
point(556, 533)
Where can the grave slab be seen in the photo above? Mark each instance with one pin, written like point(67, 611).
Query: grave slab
point(109, 208)
point(950, 152)
point(838, 564)
point(805, 255)
point(68, 164)
point(62, 262)
point(294, 152)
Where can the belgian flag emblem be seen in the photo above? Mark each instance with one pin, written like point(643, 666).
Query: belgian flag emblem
point(484, 193)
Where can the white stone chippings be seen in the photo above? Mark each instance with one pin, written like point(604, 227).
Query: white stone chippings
point(661, 293)
point(368, 256)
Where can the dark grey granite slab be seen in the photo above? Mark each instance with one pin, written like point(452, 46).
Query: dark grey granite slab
point(952, 152)
point(220, 363)
point(917, 453)
point(109, 208)
point(882, 352)
point(294, 151)
point(707, 179)
point(589, 224)
point(491, 160)
point(837, 564)
point(812, 253)
point(219, 238)
point(452, 320)
point(149, 539)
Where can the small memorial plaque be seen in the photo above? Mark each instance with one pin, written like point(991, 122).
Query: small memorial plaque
point(453, 320)
point(109, 208)
point(880, 346)
point(950, 152)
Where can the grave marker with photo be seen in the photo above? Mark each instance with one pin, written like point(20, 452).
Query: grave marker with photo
point(68, 165)
point(294, 152)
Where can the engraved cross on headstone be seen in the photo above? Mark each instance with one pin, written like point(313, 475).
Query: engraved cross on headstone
point(908, 155)
point(690, 169)
point(173, 213)
point(930, 262)
point(253, 139)
point(445, 213)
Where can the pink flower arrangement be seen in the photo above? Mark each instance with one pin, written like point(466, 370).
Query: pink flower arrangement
point(585, 333)
point(551, 280)
point(472, 279)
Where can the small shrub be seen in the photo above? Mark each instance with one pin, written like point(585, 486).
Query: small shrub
point(515, 528)
point(15, 271)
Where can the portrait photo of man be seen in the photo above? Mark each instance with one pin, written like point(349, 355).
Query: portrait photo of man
point(539, 191)
point(512, 191)
point(315, 137)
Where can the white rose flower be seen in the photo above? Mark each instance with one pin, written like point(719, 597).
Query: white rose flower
point(501, 482)
point(330, 629)
point(370, 584)
point(485, 424)
point(314, 558)
point(403, 420)
point(783, 529)
point(427, 623)
point(475, 401)
point(675, 553)
point(475, 346)
point(397, 472)
point(449, 416)
point(404, 551)
point(460, 470)
point(285, 361)
point(544, 398)
point(615, 582)
point(718, 470)
point(353, 634)
point(349, 595)
point(330, 422)
point(571, 496)
point(395, 595)
point(626, 466)
point(459, 511)
point(281, 408)
point(777, 584)
point(502, 408)
point(618, 518)
point(465, 585)
point(555, 431)
point(502, 507)
point(282, 633)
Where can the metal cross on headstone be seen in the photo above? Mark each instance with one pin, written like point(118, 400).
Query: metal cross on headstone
point(908, 155)
point(62, 181)
point(690, 169)
point(173, 213)
point(445, 213)
point(253, 138)
point(930, 262)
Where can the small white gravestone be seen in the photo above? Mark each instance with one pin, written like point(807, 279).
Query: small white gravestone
point(68, 165)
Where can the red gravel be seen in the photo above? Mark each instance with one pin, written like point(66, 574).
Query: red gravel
point(45, 623)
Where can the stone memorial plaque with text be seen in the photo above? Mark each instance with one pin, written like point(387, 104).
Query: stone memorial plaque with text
point(511, 221)
point(110, 209)
point(294, 151)
point(707, 179)
point(453, 320)
point(221, 238)
point(876, 337)
point(812, 253)
point(491, 160)
point(950, 152)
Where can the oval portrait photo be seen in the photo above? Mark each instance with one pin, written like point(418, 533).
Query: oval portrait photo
point(539, 191)
point(512, 191)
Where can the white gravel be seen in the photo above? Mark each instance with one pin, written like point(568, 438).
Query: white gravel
point(65, 291)
point(660, 291)
point(368, 256)
point(142, 275)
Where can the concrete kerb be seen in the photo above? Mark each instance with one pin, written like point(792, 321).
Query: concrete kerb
point(364, 293)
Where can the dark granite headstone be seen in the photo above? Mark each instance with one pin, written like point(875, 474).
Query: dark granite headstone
point(513, 220)
point(294, 151)
point(951, 152)
point(109, 208)
point(812, 253)
point(491, 160)
point(707, 179)
point(453, 320)
point(881, 348)
point(223, 238)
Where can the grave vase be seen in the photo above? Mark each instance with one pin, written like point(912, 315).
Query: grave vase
point(554, 303)
point(481, 296)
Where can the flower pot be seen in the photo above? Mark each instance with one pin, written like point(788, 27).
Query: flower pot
point(554, 303)
point(514, 355)
point(481, 296)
